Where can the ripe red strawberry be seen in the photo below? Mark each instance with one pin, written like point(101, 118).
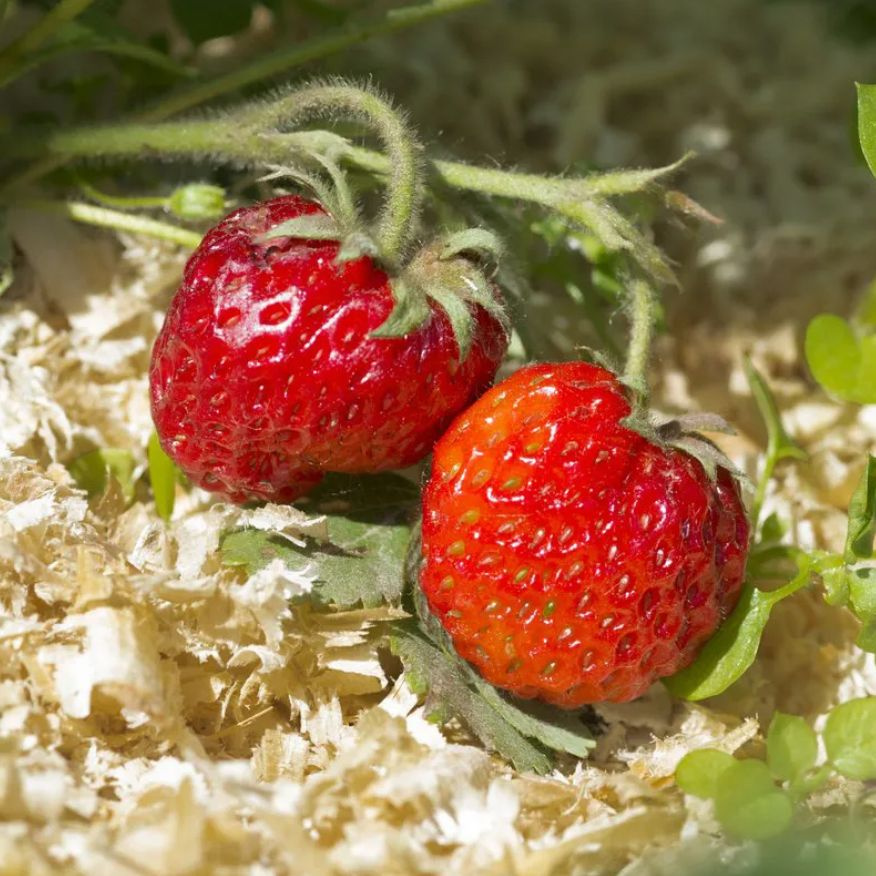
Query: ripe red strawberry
point(568, 557)
point(266, 373)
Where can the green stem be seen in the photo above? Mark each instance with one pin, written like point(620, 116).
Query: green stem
point(122, 203)
point(643, 315)
point(272, 64)
point(105, 218)
point(395, 226)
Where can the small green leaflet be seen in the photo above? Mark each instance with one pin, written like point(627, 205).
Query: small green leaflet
point(841, 360)
point(162, 476)
point(792, 747)
point(731, 651)
point(369, 525)
point(92, 471)
point(700, 772)
point(748, 803)
point(867, 123)
point(850, 740)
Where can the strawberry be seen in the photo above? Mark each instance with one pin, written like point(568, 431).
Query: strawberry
point(271, 367)
point(568, 556)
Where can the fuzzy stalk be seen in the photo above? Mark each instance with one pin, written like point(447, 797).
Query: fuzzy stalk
point(338, 100)
point(642, 308)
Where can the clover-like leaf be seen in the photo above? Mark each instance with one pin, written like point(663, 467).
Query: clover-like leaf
point(840, 359)
point(699, 772)
point(850, 740)
point(749, 805)
point(792, 747)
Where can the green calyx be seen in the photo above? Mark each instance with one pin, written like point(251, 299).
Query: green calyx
point(454, 274)
point(684, 433)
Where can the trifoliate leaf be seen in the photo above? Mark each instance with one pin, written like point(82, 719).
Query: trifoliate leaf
point(843, 362)
point(162, 476)
point(699, 772)
point(731, 651)
point(92, 471)
point(369, 525)
point(792, 747)
point(749, 805)
point(849, 739)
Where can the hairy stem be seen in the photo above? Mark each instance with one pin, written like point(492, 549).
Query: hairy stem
point(106, 218)
point(272, 64)
point(395, 226)
point(643, 315)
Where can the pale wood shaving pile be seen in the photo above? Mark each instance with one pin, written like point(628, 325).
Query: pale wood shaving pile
point(162, 714)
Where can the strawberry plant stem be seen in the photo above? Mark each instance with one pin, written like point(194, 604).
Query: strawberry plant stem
point(106, 218)
point(642, 309)
point(339, 100)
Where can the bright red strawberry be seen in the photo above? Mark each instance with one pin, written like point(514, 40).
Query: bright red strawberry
point(266, 373)
point(569, 557)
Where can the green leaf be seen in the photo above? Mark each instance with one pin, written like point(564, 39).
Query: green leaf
point(731, 651)
point(368, 520)
point(867, 123)
point(430, 671)
point(162, 476)
point(700, 772)
point(205, 21)
point(749, 805)
point(840, 360)
point(850, 738)
point(792, 747)
point(780, 445)
point(93, 470)
point(862, 516)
